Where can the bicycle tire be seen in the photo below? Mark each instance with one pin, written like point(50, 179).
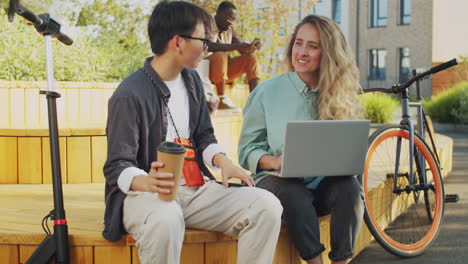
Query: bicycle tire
point(430, 135)
point(385, 222)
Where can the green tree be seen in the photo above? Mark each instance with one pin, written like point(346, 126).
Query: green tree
point(88, 59)
point(101, 51)
point(124, 20)
point(272, 23)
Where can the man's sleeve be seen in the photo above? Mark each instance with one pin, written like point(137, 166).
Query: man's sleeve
point(210, 152)
point(122, 131)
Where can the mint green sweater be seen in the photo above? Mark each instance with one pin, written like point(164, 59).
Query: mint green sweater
point(270, 106)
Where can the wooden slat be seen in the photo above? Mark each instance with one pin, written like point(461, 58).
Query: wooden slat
point(81, 255)
point(227, 130)
point(283, 248)
point(72, 105)
point(4, 108)
point(99, 155)
point(89, 130)
point(363, 239)
point(79, 159)
point(84, 104)
point(43, 114)
point(325, 238)
point(193, 253)
point(97, 111)
point(29, 160)
point(17, 108)
point(8, 160)
point(112, 255)
point(61, 106)
point(46, 163)
point(296, 259)
point(34, 132)
point(221, 252)
point(135, 259)
point(26, 251)
point(106, 95)
point(9, 254)
point(32, 109)
point(196, 236)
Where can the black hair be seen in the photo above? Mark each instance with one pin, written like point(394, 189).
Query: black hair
point(174, 18)
point(225, 5)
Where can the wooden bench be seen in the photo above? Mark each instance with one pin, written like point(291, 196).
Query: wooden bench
point(23, 207)
point(26, 193)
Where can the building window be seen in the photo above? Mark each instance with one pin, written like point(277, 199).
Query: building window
point(404, 64)
point(336, 7)
point(377, 64)
point(378, 13)
point(318, 8)
point(405, 12)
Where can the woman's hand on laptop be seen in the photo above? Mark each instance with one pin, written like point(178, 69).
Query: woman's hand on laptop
point(268, 162)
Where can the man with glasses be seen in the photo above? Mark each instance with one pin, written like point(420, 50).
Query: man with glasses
point(203, 40)
point(164, 101)
point(222, 68)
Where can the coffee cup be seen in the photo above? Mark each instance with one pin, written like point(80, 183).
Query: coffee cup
point(172, 155)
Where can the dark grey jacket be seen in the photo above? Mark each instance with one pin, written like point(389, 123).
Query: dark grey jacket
point(137, 124)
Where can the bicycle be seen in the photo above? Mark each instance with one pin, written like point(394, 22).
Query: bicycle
point(402, 181)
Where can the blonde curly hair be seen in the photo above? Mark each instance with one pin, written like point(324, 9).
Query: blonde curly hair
point(338, 76)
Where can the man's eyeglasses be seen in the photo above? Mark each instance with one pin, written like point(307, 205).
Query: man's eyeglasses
point(205, 41)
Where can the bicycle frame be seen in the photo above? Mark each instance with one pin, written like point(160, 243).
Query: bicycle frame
point(420, 122)
point(406, 121)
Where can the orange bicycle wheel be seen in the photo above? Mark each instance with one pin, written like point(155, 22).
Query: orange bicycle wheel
point(398, 219)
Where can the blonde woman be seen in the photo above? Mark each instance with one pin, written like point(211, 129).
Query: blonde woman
point(323, 83)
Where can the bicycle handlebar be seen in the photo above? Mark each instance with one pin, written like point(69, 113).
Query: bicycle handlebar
point(444, 66)
point(397, 88)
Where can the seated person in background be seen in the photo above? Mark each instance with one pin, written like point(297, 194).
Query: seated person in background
point(222, 68)
point(163, 101)
point(323, 83)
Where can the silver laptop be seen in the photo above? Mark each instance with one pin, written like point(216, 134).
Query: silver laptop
point(324, 148)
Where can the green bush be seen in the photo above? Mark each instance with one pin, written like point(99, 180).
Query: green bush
point(379, 108)
point(450, 106)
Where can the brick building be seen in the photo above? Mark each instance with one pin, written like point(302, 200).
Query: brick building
point(391, 37)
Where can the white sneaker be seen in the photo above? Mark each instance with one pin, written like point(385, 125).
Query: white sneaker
point(225, 103)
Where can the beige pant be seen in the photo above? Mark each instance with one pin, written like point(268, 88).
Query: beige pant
point(251, 214)
point(222, 68)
